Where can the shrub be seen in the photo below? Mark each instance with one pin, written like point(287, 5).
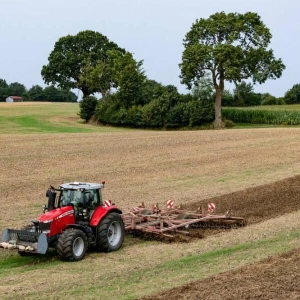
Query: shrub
point(201, 112)
point(191, 113)
point(170, 110)
point(268, 99)
point(110, 111)
point(134, 116)
point(87, 108)
point(228, 123)
point(178, 116)
point(154, 113)
point(280, 101)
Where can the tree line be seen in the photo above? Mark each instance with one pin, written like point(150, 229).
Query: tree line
point(243, 95)
point(89, 61)
point(35, 93)
point(223, 48)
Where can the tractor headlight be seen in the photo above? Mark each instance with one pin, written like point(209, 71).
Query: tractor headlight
point(45, 226)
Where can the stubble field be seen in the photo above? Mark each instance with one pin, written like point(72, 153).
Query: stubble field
point(152, 166)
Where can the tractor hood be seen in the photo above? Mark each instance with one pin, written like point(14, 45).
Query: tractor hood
point(56, 214)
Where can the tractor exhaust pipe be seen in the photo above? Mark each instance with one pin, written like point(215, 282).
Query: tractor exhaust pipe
point(34, 242)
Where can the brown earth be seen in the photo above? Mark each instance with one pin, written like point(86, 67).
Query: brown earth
point(149, 166)
point(274, 278)
point(254, 204)
point(143, 165)
point(260, 203)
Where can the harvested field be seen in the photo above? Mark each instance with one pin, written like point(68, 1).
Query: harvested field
point(274, 278)
point(234, 168)
point(143, 165)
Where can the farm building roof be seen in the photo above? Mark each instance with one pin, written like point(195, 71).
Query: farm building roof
point(15, 97)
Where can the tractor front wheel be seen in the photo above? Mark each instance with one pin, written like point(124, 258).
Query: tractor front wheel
point(110, 233)
point(72, 245)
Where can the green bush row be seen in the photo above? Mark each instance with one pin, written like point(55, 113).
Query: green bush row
point(159, 113)
point(279, 117)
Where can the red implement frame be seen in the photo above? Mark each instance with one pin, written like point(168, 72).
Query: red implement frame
point(165, 221)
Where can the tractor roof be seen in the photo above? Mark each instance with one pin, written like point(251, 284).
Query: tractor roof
point(82, 185)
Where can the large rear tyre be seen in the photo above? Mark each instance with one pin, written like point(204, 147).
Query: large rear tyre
point(72, 245)
point(110, 233)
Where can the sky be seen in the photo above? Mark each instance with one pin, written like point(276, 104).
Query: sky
point(151, 29)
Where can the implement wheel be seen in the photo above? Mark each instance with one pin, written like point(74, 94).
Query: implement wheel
point(72, 245)
point(110, 233)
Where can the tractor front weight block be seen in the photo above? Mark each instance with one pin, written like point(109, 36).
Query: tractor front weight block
point(27, 241)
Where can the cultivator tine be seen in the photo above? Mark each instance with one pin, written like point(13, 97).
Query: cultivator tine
point(164, 222)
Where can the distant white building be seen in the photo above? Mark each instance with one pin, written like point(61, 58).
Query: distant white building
point(14, 99)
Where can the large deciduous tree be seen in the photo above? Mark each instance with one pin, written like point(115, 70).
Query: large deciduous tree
point(71, 57)
point(129, 77)
point(120, 71)
point(232, 47)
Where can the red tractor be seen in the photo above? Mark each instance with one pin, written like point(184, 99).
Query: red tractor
point(75, 220)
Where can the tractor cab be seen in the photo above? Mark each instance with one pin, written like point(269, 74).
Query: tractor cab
point(83, 197)
point(76, 219)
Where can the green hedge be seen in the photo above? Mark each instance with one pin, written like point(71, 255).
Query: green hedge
point(279, 117)
point(162, 112)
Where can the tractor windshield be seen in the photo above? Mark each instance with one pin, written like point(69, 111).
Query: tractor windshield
point(71, 196)
point(86, 199)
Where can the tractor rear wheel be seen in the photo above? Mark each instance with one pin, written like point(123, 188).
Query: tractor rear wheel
point(110, 233)
point(72, 245)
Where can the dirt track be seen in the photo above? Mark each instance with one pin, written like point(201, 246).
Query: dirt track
point(273, 278)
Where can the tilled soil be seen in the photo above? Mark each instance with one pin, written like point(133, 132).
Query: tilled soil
point(260, 203)
point(254, 204)
point(274, 278)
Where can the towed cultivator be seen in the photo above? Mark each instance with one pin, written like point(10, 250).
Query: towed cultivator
point(164, 222)
point(77, 218)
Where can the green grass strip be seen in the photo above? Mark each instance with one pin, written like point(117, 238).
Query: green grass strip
point(177, 272)
point(146, 280)
point(17, 264)
point(45, 118)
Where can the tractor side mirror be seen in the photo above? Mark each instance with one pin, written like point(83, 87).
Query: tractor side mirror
point(50, 193)
point(51, 201)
